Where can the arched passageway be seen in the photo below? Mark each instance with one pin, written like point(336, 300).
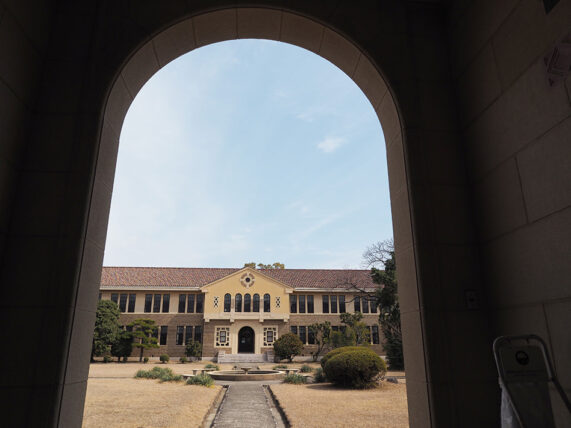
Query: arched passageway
point(78, 66)
point(246, 340)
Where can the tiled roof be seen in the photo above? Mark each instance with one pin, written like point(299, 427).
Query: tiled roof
point(197, 277)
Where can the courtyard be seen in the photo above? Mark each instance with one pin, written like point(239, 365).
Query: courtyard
point(115, 399)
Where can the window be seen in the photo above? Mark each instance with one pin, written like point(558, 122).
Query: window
point(302, 304)
point(293, 329)
point(310, 336)
point(270, 335)
point(292, 304)
point(365, 304)
point(99, 296)
point(357, 304)
point(222, 336)
point(333, 304)
point(181, 303)
point(132, 300)
point(256, 303)
point(215, 302)
point(157, 303)
point(335, 328)
point(325, 304)
point(123, 302)
point(302, 334)
point(342, 306)
point(187, 334)
point(179, 334)
point(198, 333)
point(227, 302)
point(238, 303)
point(190, 306)
point(373, 305)
point(247, 303)
point(199, 303)
point(166, 302)
point(266, 303)
point(309, 304)
point(115, 297)
point(148, 302)
point(163, 338)
point(278, 301)
point(375, 335)
point(129, 328)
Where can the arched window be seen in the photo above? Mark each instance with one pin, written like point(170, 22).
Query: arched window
point(238, 303)
point(266, 303)
point(247, 303)
point(256, 303)
point(227, 302)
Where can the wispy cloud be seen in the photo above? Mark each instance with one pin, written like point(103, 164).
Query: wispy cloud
point(330, 144)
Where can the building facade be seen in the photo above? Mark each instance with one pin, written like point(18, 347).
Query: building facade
point(238, 311)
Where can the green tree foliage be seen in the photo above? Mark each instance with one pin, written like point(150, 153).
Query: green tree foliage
point(144, 335)
point(387, 301)
point(123, 345)
point(339, 339)
point(356, 326)
point(276, 265)
point(322, 333)
point(193, 349)
point(288, 346)
point(106, 328)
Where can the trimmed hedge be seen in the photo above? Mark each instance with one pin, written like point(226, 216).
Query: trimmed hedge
point(338, 351)
point(295, 379)
point(354, 368)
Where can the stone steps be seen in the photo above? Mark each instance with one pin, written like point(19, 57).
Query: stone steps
point(242, 358)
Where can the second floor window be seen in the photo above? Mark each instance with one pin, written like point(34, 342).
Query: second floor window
point(157, 303)
point(199, 303)
point(302, 304)
point(123, 302)
point(342, 304)
point(132, 300)
point(238, 303)
point(247, 303)
point(166, 302)
point(293, 303)
point(266, 303)
point(227, 302)
point(256, 304)
point(325, 304)
point(333, 304)
point(190, 306)
point(181, 303)
point(309, 304)
point(357, 304)
point(148, 302)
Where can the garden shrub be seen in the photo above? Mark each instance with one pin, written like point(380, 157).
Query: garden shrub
point(163, 374)
point(201, 379)
point(280, 366)
point(146, 360)
point(338, 351)
point(164, 358)
point(211, 366)
point(295, 378)
point(319, 376)
point(107, 359)
point(288, 346)
point(354, 368)
point(306, 369)
point(125, 359)
point(183, 360)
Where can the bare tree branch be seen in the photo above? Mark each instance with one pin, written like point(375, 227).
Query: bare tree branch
point(378, 253)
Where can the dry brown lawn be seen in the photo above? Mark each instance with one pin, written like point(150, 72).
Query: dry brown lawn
point(322, 405)
point(115, 399)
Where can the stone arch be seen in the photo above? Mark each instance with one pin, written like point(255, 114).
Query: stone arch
point(91, 77)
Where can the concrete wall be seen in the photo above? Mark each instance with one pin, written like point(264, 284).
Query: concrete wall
point(478, 167)
point(516, 132)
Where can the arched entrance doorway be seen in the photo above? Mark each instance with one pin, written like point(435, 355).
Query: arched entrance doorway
point(246, 340)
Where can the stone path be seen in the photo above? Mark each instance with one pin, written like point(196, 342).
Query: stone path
point(247, 405)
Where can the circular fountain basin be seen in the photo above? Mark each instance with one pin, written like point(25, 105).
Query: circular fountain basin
point(241, 375)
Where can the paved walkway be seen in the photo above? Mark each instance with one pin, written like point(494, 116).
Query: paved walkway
point(247, 405)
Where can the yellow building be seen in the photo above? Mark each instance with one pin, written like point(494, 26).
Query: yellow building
point(237, 314)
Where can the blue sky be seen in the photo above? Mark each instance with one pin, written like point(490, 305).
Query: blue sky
point(249, 150)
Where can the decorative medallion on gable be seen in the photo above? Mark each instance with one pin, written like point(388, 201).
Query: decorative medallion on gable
point(247, 279)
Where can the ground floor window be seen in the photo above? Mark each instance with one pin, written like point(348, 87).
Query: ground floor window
point(270, 335)
point(375, 334)
point(198, 333)
point(223, 336)
point(179, 334)
point(188, 334)
point(163, 337)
